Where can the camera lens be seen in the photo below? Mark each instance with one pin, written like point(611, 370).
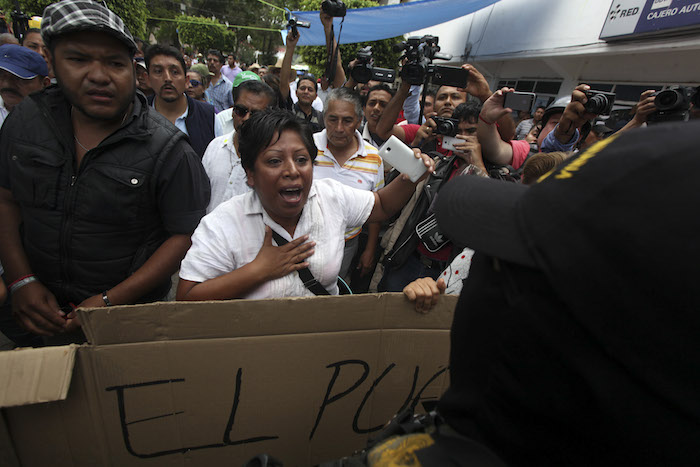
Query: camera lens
point(361, 73)
point(597, 104)
point(669, 99)
point(446, 127)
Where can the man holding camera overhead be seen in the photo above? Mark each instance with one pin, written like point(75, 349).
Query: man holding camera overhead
point(306, 90)
point(447, 99)
point(561, 131)
point(414, 246)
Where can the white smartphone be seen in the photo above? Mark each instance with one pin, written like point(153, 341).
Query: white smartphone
point(448, 142)
point(396, 153)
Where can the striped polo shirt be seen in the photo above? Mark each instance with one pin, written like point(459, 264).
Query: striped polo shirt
point(363, 170)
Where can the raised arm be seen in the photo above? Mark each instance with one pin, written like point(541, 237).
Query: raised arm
point(411, 106)
point(574, 116)
point(331, 44)
point(493, 148)
point(478, 87)
point(386, 124)
point(645, 107)
point(286, 70)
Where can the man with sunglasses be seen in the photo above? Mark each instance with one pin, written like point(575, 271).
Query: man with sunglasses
point(166, 74)
point(221, 160)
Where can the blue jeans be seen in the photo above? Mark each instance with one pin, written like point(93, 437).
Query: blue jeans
point(395, 280)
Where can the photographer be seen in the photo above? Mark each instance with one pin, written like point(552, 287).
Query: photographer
point(361, 88)
point(406, 256)
point(305, 89)
point(568, 129)
point(447, 99)
point(560, 130)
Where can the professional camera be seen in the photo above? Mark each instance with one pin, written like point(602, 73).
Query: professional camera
point(599, 102)
point(293, 23)
point(419, 53)
point(673, 104)
point(446, 126)
point(334, 8)
point(364, 71)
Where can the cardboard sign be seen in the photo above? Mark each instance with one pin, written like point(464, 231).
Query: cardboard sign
point(304, 380)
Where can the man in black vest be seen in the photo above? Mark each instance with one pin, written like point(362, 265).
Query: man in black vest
point(99, 194)
point(168, 78)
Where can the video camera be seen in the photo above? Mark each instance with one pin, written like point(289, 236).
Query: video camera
point(334, 8)
point(364, 70)
point(673, 104)
point(446, 126)
point(293, 23)
point(419, 53)
point(20, 22)
point(599, 102)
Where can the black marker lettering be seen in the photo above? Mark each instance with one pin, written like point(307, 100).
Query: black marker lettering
point(356, 428)
point(326, 400)
point(232, 416)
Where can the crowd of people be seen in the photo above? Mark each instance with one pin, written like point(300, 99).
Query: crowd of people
point(133, 173)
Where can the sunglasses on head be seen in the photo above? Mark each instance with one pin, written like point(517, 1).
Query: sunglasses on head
point(242, 111)
point(195, 83)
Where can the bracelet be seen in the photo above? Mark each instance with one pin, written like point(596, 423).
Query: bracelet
point(483, 120)
point(21, 282)
point(20, 279)
point(105, 299)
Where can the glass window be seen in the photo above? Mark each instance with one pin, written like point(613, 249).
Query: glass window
point(628, 92)
point(525, 86)
point(548, 87)
point(607, 87)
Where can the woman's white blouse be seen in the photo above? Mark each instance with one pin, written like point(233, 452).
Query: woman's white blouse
point(232, 234)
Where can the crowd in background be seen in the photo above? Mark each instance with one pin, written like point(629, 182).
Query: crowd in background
point(209, 97)
point(132, 173)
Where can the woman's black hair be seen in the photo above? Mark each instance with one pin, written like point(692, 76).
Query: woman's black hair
point(264, 128)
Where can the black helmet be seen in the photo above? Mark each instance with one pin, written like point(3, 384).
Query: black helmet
point(557, 106)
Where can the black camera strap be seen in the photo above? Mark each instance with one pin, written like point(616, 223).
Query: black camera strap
point(305, 275)
point(333, 59)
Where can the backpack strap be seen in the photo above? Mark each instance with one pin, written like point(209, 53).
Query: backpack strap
point(305, 275)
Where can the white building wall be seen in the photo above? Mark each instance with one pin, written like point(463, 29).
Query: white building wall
point(558, 40)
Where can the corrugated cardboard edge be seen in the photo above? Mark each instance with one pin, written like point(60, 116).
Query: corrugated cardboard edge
point(31, 376)
point(252, 318)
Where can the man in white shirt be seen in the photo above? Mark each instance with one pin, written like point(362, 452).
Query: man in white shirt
point(223, 123)
point(344, 156)
point(221, 160)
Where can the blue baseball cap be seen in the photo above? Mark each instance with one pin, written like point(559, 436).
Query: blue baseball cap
point(22, 62)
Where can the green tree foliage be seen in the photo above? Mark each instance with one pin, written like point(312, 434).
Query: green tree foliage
point(205, 33)
point(315, 56)
point(132, 12)
point(249, 13)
